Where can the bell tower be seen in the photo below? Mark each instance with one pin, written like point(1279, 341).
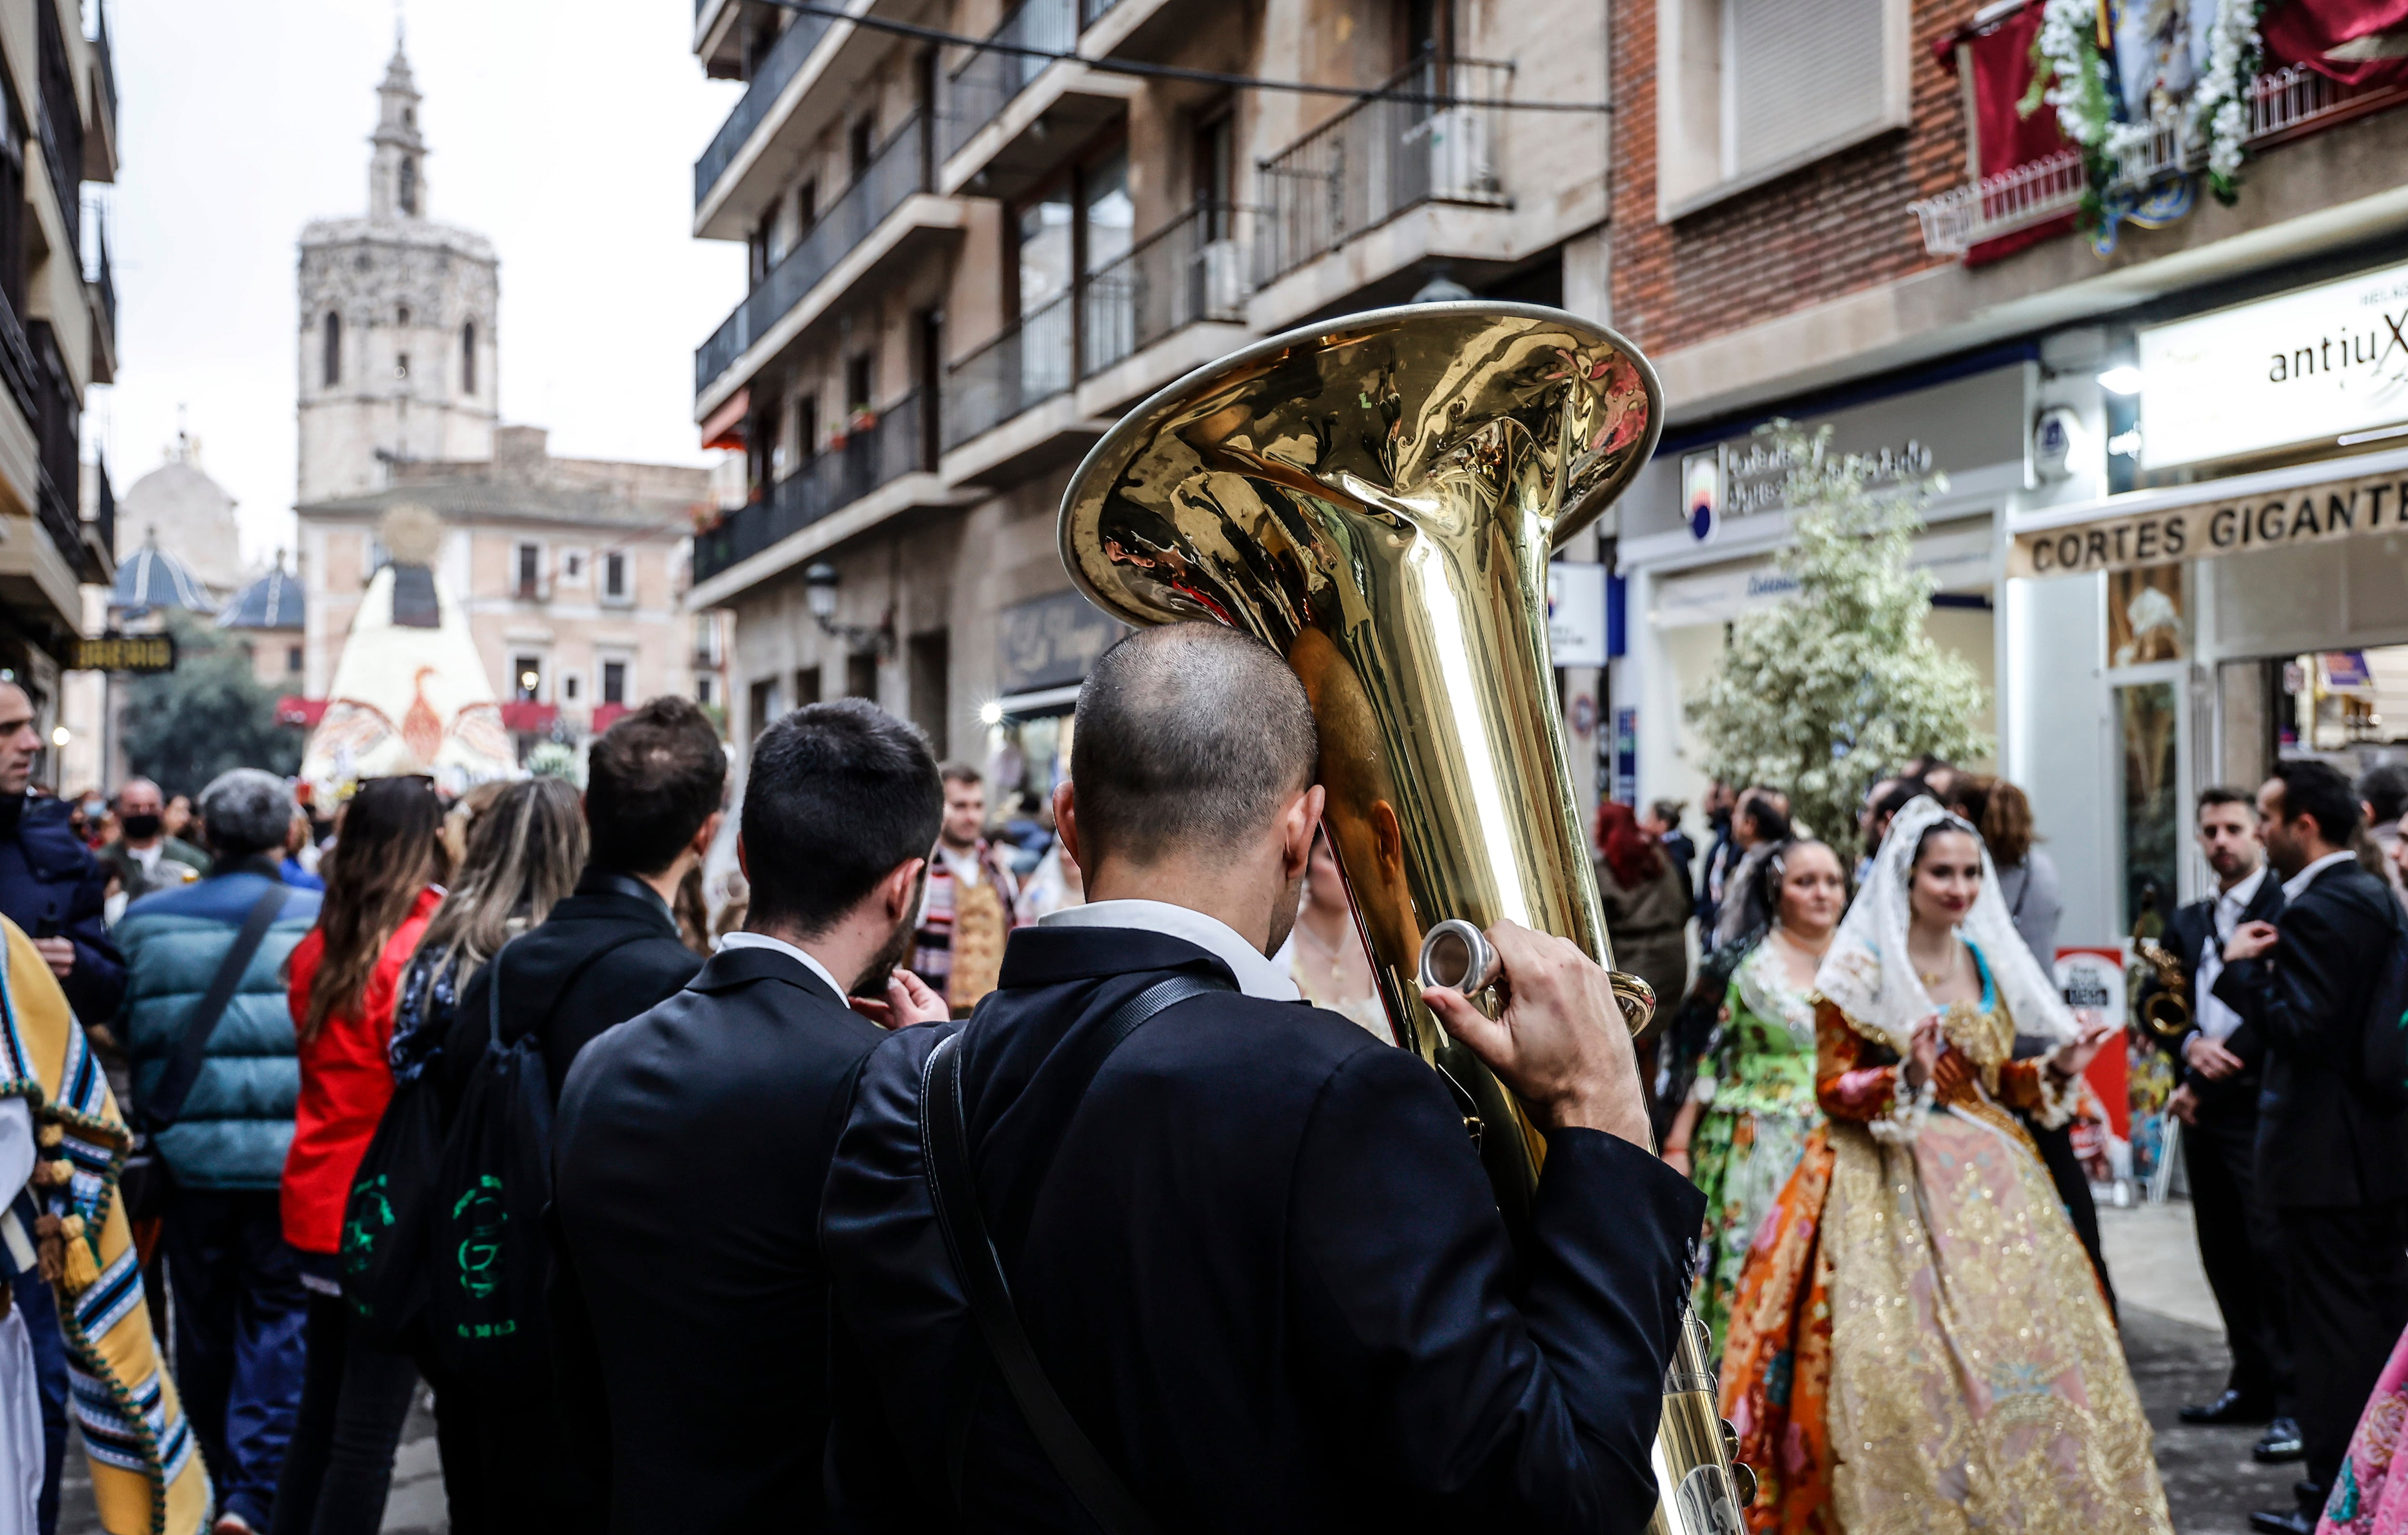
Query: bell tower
point(397, 347)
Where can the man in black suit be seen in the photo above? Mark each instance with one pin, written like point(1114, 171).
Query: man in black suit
point(653, 787)
point(1257, 1260)
point(2220, 1060)
point(2333, 1164)
point(693, 1139)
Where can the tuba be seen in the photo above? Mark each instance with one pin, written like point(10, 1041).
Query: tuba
point(1378, 499)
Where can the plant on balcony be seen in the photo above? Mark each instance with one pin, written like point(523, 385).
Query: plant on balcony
point(1820, 694)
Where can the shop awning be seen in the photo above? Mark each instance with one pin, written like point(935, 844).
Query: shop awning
point(724, 427)
point(2362, 496)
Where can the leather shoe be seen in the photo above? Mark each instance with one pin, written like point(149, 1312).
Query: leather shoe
point(2231, 1407)
point(2278, 1444)
point(2286, 1522)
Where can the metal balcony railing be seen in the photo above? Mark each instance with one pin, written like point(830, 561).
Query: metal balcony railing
point(104, 505)
point(871, 456)
point(1028, 364)
point(896, 170)
point(103, 279)
point(1431, 141)
point(778, 67)
point(976, 93)
point(60, 124)
point(1092, 11)
point(2286, 104)
point(1192, 268)
point(106, 56)
point(17, 369)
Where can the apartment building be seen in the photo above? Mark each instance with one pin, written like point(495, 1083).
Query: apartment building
point(1840, 213)
point(966, 262)
point(58, 333)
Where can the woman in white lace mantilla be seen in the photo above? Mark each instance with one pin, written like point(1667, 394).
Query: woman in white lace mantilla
point(1918, 1343)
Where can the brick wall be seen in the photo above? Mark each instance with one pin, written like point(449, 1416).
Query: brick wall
point(1835, 228)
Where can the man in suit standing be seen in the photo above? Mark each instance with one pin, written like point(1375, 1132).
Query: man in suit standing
point(1252, 1248)
point(2220, 1060)
point(692, 1140)
point(2333, 1166)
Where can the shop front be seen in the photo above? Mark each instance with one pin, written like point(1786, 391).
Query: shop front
point(2248, 600)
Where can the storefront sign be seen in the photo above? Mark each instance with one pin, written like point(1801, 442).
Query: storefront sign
point(140, 653)
point(2320, 513)
point(2315, 364)
point(1051, 643)
point(1576, 613)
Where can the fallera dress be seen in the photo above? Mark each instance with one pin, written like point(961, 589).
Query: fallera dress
point(1918, 1344)
point(1756, 1092)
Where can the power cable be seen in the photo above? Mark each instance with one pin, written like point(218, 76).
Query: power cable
point(1177, 72)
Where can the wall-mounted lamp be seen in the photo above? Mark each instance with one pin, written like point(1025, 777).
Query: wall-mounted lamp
point(820, 582)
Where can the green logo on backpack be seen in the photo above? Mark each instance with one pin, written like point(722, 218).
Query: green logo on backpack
point(481, 1211)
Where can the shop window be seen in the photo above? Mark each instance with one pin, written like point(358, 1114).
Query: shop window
point(2148, 726)
point(861, 677)
point(526, 678)
point(615, 682)
point(2147, 619)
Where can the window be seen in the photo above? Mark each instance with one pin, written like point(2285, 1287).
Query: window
point(614, 575)
point(861, 677)
point(401, 365)
point(858, 386)
point(807, 206)
point(568, 680)
point(807, 687)
point(292, 659)
point(760, 707)
point(330, 350)
point(526, 678)
point(572, 565)
point(703, 690)
point(468, 358)
point(1216, 169)
point(859, 144)
point(1753, 89)
point(401, 315)
point(530, 571)
point(931, 699)
point(614, 682)
point(407, 195)
point(806, 428)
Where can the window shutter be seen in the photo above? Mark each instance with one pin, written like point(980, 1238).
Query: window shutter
point(1799, 73)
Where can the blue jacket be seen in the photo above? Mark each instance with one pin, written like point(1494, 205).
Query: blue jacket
point(51, 886)
point(238, 1121)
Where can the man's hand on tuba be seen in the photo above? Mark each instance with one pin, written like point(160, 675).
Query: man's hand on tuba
point(1560, 1043)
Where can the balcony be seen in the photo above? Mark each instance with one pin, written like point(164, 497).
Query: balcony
point(101, 283)
point(17, 369)
point(60, 124)
point(2288, 103)
point(869, 458)
point(101, 147)
point(776, 71)
point(1005, 120)
point(868, 226)
point(101, 532)
point(1101, 345)
point(1432, 142)
point(57, 435)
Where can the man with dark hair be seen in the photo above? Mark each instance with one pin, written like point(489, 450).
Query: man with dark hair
point(1251, 1247)
point(2220, 1060)
point(610, 950)
point(2332, 1164)
point(967, 907)
point(687, 1272)
point(2382, 799)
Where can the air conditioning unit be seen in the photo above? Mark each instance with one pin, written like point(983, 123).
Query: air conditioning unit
point(1462, 161)
point(1224, 266)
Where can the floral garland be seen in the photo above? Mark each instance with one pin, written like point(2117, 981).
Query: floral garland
point(2069, 75)
point(2220, 103)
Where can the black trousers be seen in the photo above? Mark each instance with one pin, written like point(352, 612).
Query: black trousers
point(2241, 1247)
point(354, 1397)
point(2056, 1147)
point(2349, 1302)
point(509, 1465)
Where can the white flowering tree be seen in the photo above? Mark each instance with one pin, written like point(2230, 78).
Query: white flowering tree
point(1821, 693)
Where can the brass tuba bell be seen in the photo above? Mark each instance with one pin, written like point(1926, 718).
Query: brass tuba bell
point(1378, 499)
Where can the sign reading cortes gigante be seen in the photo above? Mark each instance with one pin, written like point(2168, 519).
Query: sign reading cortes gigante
point(2356, 506)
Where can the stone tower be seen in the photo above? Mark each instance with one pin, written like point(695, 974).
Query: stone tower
point(397, 347)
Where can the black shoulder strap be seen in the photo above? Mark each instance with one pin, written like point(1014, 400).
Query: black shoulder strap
point(166, 1101)
point(944, 1139)
point(576, 973)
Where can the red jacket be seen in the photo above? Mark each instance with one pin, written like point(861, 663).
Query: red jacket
point(346, 1081)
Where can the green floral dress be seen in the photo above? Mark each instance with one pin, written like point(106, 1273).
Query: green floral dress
point(1756, 1092)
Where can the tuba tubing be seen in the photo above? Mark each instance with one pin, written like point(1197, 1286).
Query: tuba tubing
point(1377, 498)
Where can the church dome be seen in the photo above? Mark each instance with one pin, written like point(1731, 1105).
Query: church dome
point(271, 602)
point(178, 506)
point(152, 578)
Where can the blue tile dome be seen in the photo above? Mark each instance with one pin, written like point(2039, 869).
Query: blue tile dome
point(271, 602)
point(152, 578)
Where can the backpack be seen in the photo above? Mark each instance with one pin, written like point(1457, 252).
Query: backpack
point(2383, 1036)
point(385, 1219)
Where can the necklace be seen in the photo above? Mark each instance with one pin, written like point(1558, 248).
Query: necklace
point(1335, 955)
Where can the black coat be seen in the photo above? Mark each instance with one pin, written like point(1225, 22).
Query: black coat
point(688, 1157)
point(603, 955)
point(53, 886)
point(1263, 1267)
point(2319, 1141)
point(2235, 1096)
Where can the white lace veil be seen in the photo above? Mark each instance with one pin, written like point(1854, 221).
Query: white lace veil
point(1887, 999)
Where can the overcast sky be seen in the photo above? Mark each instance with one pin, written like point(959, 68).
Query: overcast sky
point(563, 130)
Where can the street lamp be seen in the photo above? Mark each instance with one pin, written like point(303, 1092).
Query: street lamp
point(820, 582)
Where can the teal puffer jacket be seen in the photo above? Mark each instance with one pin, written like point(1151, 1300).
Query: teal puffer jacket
point(237, 1121)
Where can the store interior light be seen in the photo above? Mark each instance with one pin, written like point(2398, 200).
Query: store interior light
point(61, 735)
point(2124, 378)
point(990, 712)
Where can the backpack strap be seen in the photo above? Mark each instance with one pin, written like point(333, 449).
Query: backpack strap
point(944, 1140)
point(165, 1101)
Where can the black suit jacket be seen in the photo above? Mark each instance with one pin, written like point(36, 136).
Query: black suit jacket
point(1262, 1266)
point(604, 954)
point(688, 1157)
point(2319, 1141)
point(2233, 1097)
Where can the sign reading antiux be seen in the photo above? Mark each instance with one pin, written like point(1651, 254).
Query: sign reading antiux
point(136, 653)
point(2315, 513)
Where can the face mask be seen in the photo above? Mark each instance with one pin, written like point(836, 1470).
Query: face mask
point(93, 810)
point(141, 828)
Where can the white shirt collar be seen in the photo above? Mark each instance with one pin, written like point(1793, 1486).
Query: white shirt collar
point(763, 940)
point(2297, 886)
point(1257, 975)
point(2242, 892)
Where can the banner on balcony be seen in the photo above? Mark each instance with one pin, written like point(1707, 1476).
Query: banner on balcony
point(2325, 511)
point(1999, 58)
point(2357, 42)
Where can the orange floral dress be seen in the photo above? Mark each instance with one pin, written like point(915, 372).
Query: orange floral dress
point(1885, 1370)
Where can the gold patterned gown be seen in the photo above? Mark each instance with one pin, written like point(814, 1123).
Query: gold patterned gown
point(1918, 1344)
